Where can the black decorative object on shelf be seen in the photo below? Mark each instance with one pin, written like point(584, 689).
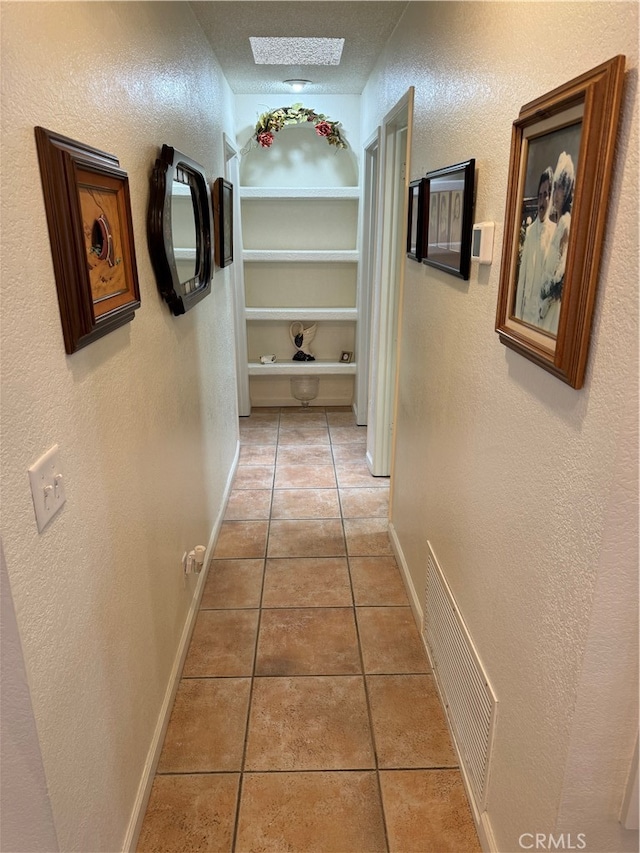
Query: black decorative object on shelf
point(301, 339)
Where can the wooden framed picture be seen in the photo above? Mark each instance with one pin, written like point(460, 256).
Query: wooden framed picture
point(346, 357)
point(223, 214)
point(562, 147)
point(449, 199)
point(415, 219)
point(86, 197)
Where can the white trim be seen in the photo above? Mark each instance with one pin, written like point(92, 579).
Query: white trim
point(315, 256)
point(367, 271)
point(300, 192)
point(157, 741)
point(236, 273)
point(335, 314)
point(481, 820)
point(392, 200)
point(414, 598)
point(294, 368)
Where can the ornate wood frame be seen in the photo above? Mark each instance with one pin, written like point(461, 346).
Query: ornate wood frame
point(88, 208)
point(592, 101)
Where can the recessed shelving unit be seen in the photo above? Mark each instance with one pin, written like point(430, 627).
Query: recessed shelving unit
point(301, 260)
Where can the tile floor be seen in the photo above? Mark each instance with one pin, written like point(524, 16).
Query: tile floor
point(306, 718)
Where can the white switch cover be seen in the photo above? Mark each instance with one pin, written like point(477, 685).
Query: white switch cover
point(47, 487)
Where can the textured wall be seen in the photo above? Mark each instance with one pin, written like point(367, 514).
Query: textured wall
point(526, 488)
point(141, 416)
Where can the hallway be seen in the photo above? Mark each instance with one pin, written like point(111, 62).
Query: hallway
point(306, 717)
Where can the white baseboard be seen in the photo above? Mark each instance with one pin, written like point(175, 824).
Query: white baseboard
point(482, 821)
point(153, 755)
point(414, 598)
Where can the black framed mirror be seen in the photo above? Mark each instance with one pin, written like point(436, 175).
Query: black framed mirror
point(179, 229)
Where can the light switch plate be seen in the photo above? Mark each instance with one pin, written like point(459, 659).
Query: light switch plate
point(47, 486)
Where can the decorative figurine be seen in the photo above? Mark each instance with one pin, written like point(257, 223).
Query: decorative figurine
point(301, 339)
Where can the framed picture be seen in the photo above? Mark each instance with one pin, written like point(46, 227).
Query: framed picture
point(450, 194)
point(415, 221)
point(86, 197)
point(562, 147)
point(223, 215)
point(346, 357)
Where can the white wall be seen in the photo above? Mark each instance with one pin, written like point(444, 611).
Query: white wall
point(526, 488)
point(141, 416)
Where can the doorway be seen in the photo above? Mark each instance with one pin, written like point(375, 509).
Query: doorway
point(387, 257)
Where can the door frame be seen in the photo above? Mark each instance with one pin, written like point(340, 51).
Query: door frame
point(391, 238)
point(236, 271)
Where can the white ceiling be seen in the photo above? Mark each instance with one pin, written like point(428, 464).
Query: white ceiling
point(365, 26)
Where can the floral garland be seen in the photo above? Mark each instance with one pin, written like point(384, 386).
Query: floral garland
point(270, 123)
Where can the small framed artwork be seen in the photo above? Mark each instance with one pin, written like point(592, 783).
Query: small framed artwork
point(346, 357)
point(223, 216)
point(415, 220)
point(450, 194)
point(562, 147)
point(86, 196)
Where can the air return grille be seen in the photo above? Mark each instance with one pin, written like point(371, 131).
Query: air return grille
point(464, 687)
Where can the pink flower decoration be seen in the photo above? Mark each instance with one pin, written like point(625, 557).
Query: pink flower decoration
point(323, 128)
point(265, 139)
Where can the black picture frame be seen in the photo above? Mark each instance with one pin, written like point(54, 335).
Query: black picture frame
point(415, 219)
point(88, 207)
point(223, 218)
point(183, 271)
point(448, 204)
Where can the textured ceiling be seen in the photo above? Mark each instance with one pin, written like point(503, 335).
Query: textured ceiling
point(365, 26)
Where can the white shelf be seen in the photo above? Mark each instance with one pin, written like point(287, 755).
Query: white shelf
point(291, 314)
point(291, 368)
point(301, 255)
point(300, 192)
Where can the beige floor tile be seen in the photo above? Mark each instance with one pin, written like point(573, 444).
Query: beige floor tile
point(312, 582)
point(248, 504)
point(207, 726)
point(300, 454)
point(258, 435)
point(306, 538)
point(427, 812)
point(309, 723)
point(239, 539)
point(305, 503)
point(232, 583)
point(365, 502)
point(253, 477)
point(349, 453)
point(257, 454)
point(261, 416)
point(311, 813)
point(341, 419)
point(304, 477)
point(303, 417)
point(308, 641)
point(188, 812)
point(303, 435)
point(348, 435)
point(409, 724)
point(223, 643)
point(377, 581)
point(367, 537)
point(356, 475)
point(390, 641)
